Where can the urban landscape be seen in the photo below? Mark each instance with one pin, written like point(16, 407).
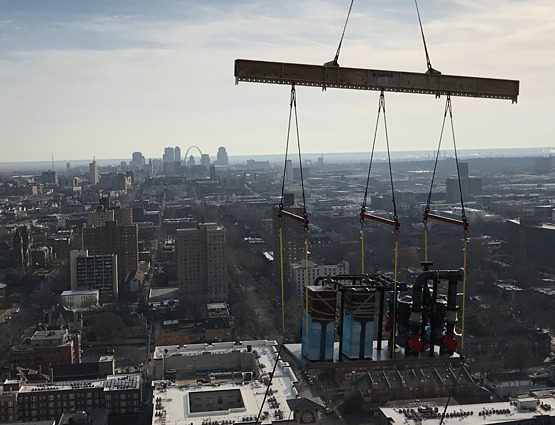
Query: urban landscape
point(139, 291)
point(172, 254)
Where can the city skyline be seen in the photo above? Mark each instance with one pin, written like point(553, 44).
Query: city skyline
point(107, 79)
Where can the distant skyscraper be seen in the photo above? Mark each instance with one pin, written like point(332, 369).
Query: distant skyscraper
point(177, 153)
point(191, 161)
point(201, 262)
point(138, 160)
point(94, 177)
point(49, 177)
point(205, 160)
point(222, 156)
point(169, 155)
point(289, 170)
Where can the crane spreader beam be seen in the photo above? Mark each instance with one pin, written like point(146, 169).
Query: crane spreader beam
point(331, 76)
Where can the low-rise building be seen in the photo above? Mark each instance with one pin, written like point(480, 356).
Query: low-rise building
point(80, 299)
point(46, 348)
point(119, 394)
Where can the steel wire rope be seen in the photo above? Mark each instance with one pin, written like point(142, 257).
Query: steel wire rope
point(293, 107)
point(395, 222)
point(336, 58)
point(429, 200)
point(428, 62)
point(363, 208)
point(452, 391)
point(464, 222)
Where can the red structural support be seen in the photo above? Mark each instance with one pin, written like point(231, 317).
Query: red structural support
point(462, 222)
point(302, 219)
point(394, 222)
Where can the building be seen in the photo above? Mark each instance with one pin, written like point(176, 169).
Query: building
point(228, 384)
point(202, 262)
point(221, 156)
point(298, 273)
point(530, 241)
point(469, 185)
point(94, 177)
point(80, 299)
point(49, 178)
point(525, 410)
point(177, 153)
point(205, 160)
point(119, 394)
point(293, 241)
point(48, 347)
point(509, 384)
point(138, 160)
point(114, 238)
point(94, 272)
point(169, 155)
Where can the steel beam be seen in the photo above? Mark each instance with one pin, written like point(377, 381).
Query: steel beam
point(330, 76)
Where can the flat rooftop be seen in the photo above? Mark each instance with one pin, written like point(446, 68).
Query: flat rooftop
point(174, 403)
point(428, 413)
point(111, 383)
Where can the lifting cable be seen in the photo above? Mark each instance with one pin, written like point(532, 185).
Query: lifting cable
point(463, 222)
point(282, 212)
point(394, 222)
point(336, 58)
point(428, 62)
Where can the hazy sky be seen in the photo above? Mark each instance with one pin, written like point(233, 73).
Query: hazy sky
point(105, 78)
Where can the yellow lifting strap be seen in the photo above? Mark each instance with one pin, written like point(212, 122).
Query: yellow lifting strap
point(282, 292)
point(306, 287)
point(464, 291)
point(393, 330)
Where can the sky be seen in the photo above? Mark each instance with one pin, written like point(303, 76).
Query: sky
point(82, 79)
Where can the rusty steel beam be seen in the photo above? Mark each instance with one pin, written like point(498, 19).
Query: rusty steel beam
point(330, 76)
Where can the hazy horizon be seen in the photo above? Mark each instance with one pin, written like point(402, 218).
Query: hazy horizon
point(329, 157)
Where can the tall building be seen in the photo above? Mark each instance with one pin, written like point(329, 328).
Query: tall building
point(205, 160)
point(94, 177)
point(202, 262)
point(138, 160)
point(169, 155)
point(177, 153)
point(293, 239)
point(222, 158)
point(49, 177)
point(112, 232)
point(98, 272)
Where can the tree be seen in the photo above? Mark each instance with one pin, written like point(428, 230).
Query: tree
point(431, 389)
point(108, 326)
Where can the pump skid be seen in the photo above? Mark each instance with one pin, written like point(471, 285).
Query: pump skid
point(331, 76)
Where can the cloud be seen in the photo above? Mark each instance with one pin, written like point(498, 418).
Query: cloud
point(112, 79)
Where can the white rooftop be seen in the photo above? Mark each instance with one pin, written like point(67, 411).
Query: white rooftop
point(174, 408)
point(422, 413)
point(80, 292)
